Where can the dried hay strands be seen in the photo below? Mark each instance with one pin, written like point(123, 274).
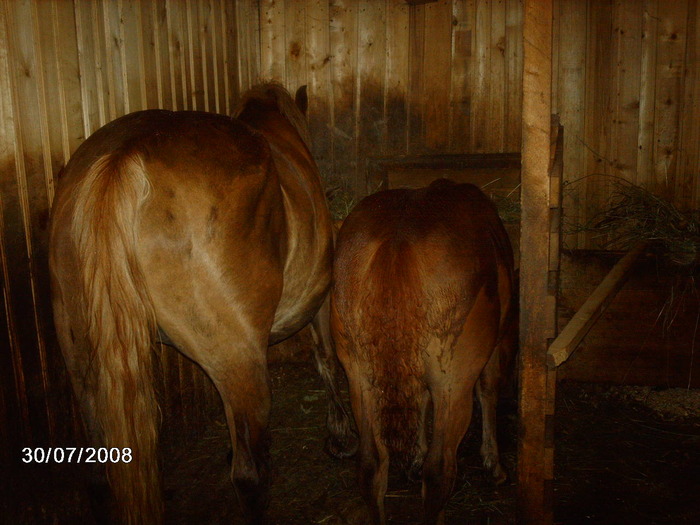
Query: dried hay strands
point(634, 214)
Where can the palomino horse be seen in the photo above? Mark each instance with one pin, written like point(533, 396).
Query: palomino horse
point(421, 307)
point(212, 231)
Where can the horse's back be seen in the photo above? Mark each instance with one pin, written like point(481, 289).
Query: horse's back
point(198, 155)
point(222, 195)
point(447, 237)
point(168, 135)
point(451, 214)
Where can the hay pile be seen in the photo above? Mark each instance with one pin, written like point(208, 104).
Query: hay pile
point(670, 403)
point(341, 201)
point(634, 214)
point(508, 207)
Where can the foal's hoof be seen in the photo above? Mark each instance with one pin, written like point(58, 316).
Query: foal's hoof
point(100, 498)
point(497, 475)
point(342, 448)
point(415, 470)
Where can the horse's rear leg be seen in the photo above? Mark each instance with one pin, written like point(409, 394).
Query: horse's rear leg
point(76, 353)
point(342, 441)
point(373, 466)
point(245, 391)
point(373, 460)
point(487, 392)
point(452, 412)
point(415, 472)
point(452, 390)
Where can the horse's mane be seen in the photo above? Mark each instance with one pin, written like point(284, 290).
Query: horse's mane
point(276, 93)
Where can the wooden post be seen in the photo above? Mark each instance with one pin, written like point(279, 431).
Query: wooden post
point(535, 446)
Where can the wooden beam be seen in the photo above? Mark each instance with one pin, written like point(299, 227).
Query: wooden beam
point(378, 168)
point(535, 444)
point(582, 321)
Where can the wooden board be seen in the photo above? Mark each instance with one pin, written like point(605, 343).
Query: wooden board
point(647, 335)
point(586, 316)
point(378, 169)
point(571, 104)
point(437, 60)
point(343, 66)
point(493, 181)
point(370, 127)
point(397, 71)
point(320, 114)
point(689, 157)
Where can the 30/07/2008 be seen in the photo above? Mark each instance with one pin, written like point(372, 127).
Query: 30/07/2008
point(76, 455)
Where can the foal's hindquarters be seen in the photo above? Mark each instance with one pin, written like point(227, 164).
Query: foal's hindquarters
point(423, 282)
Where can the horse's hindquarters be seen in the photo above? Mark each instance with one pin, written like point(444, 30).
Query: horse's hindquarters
point(422, 287)
point(214, 272)
point(183, 221)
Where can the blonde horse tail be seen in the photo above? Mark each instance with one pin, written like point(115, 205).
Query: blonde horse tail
point(120, 328)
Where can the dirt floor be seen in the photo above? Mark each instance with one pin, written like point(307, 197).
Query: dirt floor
point(624, 455)
point(310, 487)
point(618, 461)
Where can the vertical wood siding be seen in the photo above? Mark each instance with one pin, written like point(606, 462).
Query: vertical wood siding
point(627, 82)
point(445, 77)
point(386, 78)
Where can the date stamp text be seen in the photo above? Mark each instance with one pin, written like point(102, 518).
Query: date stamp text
point(76, 455)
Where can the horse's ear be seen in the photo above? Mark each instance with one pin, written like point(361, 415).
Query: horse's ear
point(302, 99)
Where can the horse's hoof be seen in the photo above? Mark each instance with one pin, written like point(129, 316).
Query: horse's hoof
point(415, 472)
point(100, 498)
point(342, 448)
point(496, 476)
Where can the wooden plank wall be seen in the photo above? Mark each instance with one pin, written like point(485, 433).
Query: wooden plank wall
point(627, 87)
point(656, 346)
point(389, 79)
point(68, 67)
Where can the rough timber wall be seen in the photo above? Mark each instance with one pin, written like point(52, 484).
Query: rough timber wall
point(627, 87)
point(386, 78)
point(66, 68)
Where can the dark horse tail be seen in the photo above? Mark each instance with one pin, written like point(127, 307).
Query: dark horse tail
point(120, 327)
point(397, 358)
